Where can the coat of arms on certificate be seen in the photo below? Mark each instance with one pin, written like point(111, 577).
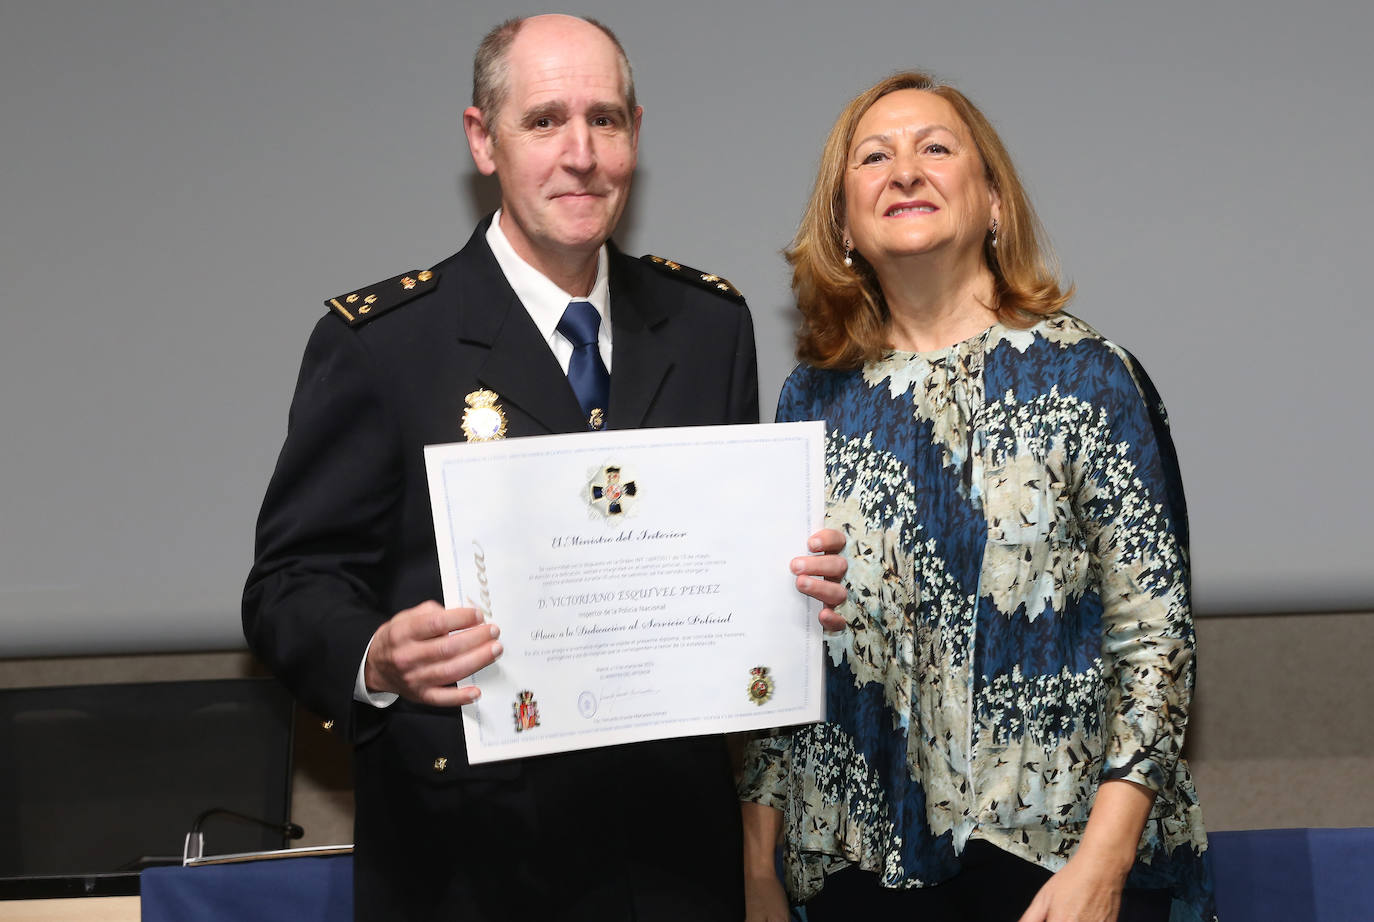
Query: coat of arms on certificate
point(760, 685)
point(526, 712)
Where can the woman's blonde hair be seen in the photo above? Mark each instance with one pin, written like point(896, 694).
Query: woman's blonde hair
point(844, 314)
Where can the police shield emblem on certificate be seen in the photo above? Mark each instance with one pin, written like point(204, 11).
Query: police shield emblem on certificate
point(640, 580)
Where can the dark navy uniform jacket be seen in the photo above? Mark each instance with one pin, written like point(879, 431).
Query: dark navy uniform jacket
point(345, 539)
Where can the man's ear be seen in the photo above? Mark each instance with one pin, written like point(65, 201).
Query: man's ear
point(638, 118)
point(480, 140)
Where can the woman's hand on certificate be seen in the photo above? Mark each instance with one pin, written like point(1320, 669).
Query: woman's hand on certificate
point(819, 574)
point(421, 654)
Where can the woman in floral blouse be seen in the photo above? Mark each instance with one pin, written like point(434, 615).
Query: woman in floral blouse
point(1009, 690)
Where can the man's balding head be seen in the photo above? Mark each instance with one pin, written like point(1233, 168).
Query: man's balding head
point(491, 65)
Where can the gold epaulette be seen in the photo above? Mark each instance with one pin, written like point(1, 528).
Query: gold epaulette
point(704, 279)
point(358, 307)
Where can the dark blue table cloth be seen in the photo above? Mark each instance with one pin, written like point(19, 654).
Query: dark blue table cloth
point(1294, 875)
point(279, 890)
point(1262, 875)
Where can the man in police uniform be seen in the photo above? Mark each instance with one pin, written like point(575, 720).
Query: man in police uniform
point(340, 599)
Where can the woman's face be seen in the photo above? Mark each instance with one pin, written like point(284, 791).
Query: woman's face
point(914, 182)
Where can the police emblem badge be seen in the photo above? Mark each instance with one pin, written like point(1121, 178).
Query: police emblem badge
point(483, 420)
point(760, 685)
point(612, 492)
point(526, 712)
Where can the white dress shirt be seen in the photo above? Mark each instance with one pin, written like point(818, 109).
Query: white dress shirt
point(544, 302)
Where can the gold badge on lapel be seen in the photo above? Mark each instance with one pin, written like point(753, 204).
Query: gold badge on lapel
point(483, 420)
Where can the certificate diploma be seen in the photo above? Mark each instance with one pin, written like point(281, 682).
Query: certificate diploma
point(640, 580)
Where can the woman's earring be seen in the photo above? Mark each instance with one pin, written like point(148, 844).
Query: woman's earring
point(848, 248)
point(995, 225)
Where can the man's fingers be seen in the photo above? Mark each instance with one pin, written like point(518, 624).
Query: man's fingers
point(453, 657)
point(430, 619)
point(449, 696)
point(445, 690)
point(480, 652)
point(422, 652)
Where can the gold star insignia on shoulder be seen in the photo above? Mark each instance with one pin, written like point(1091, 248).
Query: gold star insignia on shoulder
point(696, 277)
point(358, 307)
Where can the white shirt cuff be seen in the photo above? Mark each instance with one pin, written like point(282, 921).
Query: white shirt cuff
point(363, 696)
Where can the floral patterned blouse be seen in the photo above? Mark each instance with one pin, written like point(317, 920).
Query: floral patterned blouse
point(1018, 616)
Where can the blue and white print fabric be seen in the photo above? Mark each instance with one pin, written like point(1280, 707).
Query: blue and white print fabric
point(1019, 625)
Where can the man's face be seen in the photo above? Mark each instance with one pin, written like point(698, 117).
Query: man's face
point(564, 144)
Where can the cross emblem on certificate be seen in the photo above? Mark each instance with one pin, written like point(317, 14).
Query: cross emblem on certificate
point(611, 495)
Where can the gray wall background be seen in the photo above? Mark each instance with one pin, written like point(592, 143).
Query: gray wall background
point(182, 184)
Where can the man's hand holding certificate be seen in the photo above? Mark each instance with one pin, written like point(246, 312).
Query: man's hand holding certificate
point(639, 579)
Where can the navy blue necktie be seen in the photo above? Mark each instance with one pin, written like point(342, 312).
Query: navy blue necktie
point(586, 372)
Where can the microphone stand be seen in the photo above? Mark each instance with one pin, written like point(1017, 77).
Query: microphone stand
point(194, 846)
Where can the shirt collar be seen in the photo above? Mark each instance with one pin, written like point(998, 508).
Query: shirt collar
point(543, 300)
